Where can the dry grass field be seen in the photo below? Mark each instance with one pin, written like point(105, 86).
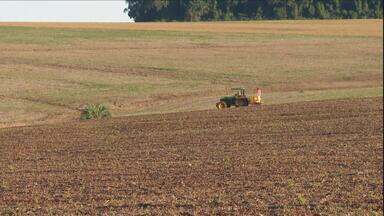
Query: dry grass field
point(306, 158)
point(305, 27)
point(48, 70)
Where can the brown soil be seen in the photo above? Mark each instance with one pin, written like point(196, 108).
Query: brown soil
point(303, 158)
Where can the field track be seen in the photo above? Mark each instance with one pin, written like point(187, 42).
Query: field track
point(301, 158)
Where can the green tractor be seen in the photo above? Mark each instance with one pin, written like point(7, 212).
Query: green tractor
point(239, 99)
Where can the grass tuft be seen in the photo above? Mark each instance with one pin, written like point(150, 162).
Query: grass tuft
point(95, 111)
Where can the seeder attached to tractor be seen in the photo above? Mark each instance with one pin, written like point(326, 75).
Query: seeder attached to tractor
point(239, 99)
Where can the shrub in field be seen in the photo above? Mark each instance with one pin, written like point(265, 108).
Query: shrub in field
point(95, 111)
point(302, 200)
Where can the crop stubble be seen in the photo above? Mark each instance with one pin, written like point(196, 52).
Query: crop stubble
point(302, 158)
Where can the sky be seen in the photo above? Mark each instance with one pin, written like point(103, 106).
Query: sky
point(63, 11)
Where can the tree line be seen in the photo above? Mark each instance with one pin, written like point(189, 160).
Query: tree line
point(211, 10)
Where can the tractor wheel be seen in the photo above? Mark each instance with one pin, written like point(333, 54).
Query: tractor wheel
point(221, 105)
point(246, 103)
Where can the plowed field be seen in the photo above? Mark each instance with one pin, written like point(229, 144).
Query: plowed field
point(301, 158)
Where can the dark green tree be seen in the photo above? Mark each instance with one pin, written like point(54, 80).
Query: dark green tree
point(202, 10)
point(321, 12)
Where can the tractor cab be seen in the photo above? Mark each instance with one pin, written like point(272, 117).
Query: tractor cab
point(238, 92)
